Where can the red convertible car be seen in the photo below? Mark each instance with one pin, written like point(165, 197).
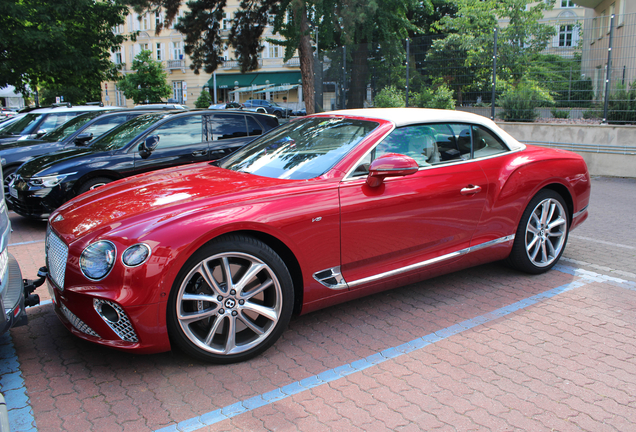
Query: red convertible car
point(216, 257)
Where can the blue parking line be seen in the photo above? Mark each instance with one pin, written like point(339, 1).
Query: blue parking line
point(21, 416)
point(328, 376)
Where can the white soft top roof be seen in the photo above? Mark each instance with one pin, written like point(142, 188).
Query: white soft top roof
point(409, 116)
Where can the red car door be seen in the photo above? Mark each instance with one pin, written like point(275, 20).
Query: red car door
point(416, 220)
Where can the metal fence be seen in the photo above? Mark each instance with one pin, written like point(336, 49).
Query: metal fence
point(567, 76)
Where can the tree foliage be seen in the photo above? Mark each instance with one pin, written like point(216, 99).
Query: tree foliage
point(204, 100)
point(148, 83)
point(58, 44)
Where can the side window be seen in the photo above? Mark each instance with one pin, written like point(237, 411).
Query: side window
point(54, 120)
point(253, 127)
point(486, 143)
point(104, 125)
point(418, 142)
point(457, 145)
point(181, 131)
point(227, 126)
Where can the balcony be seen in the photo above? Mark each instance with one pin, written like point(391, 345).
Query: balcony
point(175, 64)
point(293, 62)
point(234, 64)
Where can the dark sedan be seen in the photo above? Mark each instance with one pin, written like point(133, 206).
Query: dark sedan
point(148, 142)
point(259, 105)
point(78, 131)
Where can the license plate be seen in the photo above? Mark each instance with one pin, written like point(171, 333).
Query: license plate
point(51, 291)
point(13, 192)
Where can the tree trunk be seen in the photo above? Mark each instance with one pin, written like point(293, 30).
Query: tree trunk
point(359, 72)
point(306, 58)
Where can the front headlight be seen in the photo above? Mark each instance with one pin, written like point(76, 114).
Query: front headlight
point(97, 259)
point(48, 181)
point(135, 255)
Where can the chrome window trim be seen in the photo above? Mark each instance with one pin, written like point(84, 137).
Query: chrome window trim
point(349, 175)
point(426, 263)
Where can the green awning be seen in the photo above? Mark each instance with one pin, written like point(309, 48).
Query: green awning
point(249, 79)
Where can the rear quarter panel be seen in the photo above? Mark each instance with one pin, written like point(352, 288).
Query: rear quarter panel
point(514, 179)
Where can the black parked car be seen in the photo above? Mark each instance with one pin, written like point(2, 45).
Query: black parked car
point(148, 142)
point(36, 122)
point(259, 105)
point(78, 131)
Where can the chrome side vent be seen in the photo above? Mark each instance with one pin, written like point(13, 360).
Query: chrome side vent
point(331, 278)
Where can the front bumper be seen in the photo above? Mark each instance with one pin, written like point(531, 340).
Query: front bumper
point(94, 317)
point(36, 203)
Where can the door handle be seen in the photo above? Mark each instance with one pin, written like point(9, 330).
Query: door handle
point(470, 190)
point(199, 153)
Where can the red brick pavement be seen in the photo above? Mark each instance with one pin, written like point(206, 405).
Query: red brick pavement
point(566, 363)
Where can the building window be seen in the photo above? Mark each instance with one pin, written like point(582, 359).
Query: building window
point(567, 3)
point(275, 51)
point(565, 35)
point(145, 22)
point(612, 9)
point(159, 56)
point(117, 56)
point(157, 19)
point(177, 50)
point(177, 91)
point(226, 24)
point(120, 100)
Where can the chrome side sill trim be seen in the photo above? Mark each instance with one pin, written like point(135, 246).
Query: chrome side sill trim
point(579, 213)
point(431, 261)
point(331, 278)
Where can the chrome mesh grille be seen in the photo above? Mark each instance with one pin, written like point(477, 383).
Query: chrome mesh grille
point(56, 256)
point(76, 322)
point(122, 327)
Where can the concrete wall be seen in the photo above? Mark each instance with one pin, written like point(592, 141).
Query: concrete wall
point(608, 150)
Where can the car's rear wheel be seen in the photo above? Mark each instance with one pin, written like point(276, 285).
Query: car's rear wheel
point(93, 184)
point(231, 301)
point(542, 234)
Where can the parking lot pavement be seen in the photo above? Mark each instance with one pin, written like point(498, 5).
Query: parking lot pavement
point(483, 349)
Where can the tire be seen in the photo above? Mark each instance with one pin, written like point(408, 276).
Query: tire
point(9, 174)
point(542, 234)
point(278, 114)
point(92, 184)
point(219, 324)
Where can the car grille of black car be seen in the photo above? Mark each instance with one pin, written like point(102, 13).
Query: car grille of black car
point(27, 210)
point(56, 256)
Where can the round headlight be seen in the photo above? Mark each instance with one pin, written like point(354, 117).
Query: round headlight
point(98, 259)
point(135, 255)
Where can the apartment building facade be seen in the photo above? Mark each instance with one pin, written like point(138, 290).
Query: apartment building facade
point(275, 80)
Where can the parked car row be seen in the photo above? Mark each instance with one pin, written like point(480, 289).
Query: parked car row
point(258, 105)
point(145, 142)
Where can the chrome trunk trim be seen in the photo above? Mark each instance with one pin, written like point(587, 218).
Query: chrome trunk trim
point(431, 261)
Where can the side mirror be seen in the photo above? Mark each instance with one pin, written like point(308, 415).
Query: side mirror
point(40, 133)
point(148, 145)
point(390, 165)
point(83, 138)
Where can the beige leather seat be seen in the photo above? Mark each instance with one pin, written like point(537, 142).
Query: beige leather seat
point(423, 149)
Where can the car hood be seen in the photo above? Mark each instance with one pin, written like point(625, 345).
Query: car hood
point(7, 145)
point(54, 163)
point(160, 196)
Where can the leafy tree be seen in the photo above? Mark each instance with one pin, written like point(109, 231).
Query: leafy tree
point(148, 82)
point(389, 97)
point(519, 102)
point(57, 44)
point(470, 39)
point(204, 100)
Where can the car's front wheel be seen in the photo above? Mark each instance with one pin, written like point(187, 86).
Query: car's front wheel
point(231, 301)
point(542, 234)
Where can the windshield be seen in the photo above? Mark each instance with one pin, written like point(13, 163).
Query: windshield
point(23, 124)
point(122, 134)
point(301, 149)
point(69, 127)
